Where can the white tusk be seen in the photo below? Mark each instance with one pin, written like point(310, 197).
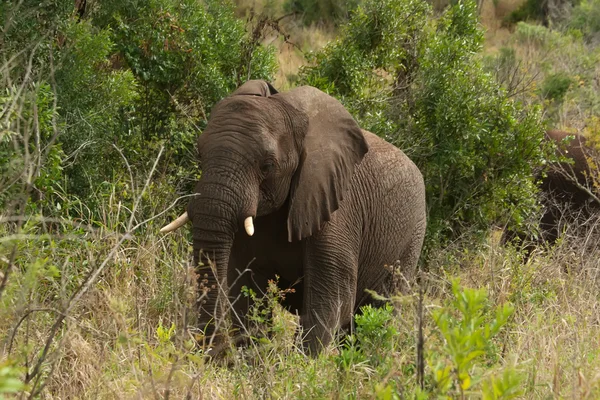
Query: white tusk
point(178, 223)
point(249, 226)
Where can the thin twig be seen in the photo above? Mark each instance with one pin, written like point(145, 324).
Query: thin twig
point(9, 266)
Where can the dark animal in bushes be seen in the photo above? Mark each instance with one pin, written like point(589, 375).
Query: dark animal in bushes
point(291, 186)
point(568, 193)
point(567, 190)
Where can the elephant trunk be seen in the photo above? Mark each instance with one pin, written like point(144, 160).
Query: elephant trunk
point(216, 213)
point(211, 261)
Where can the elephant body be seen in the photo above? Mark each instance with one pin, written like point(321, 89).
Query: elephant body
point(325, 206)
point(331, 269)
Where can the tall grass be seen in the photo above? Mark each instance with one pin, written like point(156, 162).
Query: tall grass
point(127, 334)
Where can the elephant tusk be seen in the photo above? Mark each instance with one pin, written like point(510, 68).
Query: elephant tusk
point(178, 223)
point(249, 226)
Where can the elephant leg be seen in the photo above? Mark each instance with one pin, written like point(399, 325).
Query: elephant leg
point(330, 278)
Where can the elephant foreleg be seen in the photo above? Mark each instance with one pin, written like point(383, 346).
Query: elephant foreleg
point(330, 275)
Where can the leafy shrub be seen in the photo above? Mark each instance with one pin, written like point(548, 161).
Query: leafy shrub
point(185, 51)
point(373, 59)
point(30, 162)
point(555, 86)
point(94, 100)
point(30, 24)
point(372, 340)
point(481, 148)
point(585, 17)
point(431, 96)
point(529, 10)
point(9, 379)
point(544, 11)
point(129, 78)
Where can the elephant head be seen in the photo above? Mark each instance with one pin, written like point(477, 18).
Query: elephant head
point(260, 152)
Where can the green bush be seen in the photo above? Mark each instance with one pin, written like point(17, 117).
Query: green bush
point(185, 53)
point(478, 148)
point(555, 86)
point(129, 78)
point(373, 60)
point(529, 10)
point(431, 96)
point(30, 161)
point(585, 17)
point(95, 103)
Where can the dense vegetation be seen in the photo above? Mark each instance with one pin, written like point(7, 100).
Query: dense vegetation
point(100, 108)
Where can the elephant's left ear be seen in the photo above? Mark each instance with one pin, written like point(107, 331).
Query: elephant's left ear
point(332, 148)
point(255, 88)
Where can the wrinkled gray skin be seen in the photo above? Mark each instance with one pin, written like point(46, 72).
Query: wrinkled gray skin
point(331, 205)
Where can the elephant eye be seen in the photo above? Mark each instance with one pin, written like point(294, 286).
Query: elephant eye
point(267, 167)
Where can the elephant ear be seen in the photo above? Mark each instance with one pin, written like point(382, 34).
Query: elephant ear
point(333, 146)
point(255, 88)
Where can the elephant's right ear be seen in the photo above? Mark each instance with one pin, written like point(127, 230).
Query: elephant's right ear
point(255, 88)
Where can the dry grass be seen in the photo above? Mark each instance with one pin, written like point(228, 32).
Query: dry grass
point(291, 53)
point(554, 334)
point(291, 56)
point(541, 54)
point(493, 12)
point(114, 343)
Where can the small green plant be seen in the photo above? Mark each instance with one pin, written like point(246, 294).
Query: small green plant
point(467, 330)
point(505, 385)
point(373, 338)
point(164, 334)
point(260, 312)
point(375, 331)
point(9, 379)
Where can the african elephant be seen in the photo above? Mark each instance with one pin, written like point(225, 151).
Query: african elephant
point(568, 187)
point(322, 203)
